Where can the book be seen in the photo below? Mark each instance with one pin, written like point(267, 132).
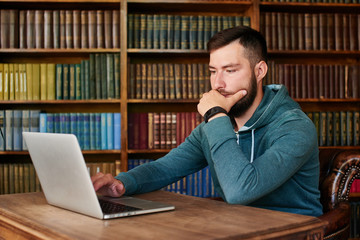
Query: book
point(117, 131)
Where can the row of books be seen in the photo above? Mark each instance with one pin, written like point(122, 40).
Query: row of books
point(164, 130)
point(13, 123)
point(94, 131)
point(355, 186)
point(355, 220)
point(94, 78)
point(314, 1)
point(168, 80)
point(198, 184)
point(18, 178)
point(59, 28)
point(317, 81)
point(22, 177)
point(337, 128)
point(166, 31)
point(311, 31)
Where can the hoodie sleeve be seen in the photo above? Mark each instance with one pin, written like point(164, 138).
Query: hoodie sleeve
point(290, 143)
point(178, 163)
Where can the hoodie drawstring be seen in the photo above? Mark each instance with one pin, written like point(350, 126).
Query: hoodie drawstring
point(252, 143)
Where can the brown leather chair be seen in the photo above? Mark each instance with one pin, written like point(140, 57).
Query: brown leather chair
point(338, 169)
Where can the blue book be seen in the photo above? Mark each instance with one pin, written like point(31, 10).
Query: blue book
point(80, 131)
point(86, 130)
point(117, 131)
point(34, 120)
point(110, 130)
point(67, 122)
point(8, 130)
point(57, 128)
point(50, 122)
point(25, 127)
point(103, 129)
point(2, 130)
point(62, 123)
point(43, 122)
point(92, 131)
point(73, 124)
point(17, 138)
point(98, 130)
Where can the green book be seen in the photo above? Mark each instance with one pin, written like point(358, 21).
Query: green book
point(72, 82)
point(92, 77)
point(163, 31)
point(193, 32)
point(156, 31)
point(149, 31)
point(110, 75)
point(184, 40)
point(143, 30)
point(177, 31)
point(170, 31)
point(103, 77)
point(137, 31)
point(66, 81)
point(117, 75)
point(78, 95)
point(207, 30)
point(130, 33)
point(98, 75)
point(200, 32)
point(59, 82)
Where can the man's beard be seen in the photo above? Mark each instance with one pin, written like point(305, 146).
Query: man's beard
point(245, 103)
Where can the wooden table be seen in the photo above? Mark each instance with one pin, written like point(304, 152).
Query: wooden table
point(28, 216)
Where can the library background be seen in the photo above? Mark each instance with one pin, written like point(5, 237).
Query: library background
point(125, 76)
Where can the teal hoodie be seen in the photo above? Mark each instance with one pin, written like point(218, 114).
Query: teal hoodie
point(271, 162)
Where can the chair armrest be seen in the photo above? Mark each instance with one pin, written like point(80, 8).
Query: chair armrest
point(335, 187)
point(337, 218)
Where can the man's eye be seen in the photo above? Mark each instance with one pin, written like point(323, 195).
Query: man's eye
point(230, 70)
point(212, 72)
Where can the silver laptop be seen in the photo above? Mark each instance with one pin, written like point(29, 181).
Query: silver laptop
point(66, 182)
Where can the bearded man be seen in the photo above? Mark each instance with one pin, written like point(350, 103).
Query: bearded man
point(259, 145)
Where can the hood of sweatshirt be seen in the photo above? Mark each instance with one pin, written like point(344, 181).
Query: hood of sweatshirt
point(276, 100)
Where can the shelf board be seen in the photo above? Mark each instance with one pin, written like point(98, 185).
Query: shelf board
point(312, 53)
point(59, 4)
point(54, 102)
point(160, 101)
point(85, 152)
point(340, 147)
point(309, 7)
point(188, 7)
point(65, 105)
point(49, 53)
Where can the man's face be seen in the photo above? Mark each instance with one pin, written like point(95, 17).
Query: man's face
point(231, 72)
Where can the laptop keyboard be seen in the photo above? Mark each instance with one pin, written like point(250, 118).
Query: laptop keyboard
point(111, 207)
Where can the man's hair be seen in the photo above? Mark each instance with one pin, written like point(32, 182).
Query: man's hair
point(253, 42)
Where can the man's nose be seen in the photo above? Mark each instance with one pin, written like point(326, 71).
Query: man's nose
point(218, 81)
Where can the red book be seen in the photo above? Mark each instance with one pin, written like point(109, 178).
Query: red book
point(143, 130)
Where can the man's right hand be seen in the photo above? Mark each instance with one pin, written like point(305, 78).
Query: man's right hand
point(107, 185)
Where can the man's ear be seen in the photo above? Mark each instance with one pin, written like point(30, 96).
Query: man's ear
point(260, 70)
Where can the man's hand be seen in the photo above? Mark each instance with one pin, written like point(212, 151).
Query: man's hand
point(213, 98)
point(107, 185)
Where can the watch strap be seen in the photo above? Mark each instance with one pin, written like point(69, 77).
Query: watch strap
point(212, 112)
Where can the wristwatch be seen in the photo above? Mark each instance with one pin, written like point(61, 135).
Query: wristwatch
point(212, 112)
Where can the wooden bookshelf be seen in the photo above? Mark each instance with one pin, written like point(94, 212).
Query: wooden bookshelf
point(128, 55)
